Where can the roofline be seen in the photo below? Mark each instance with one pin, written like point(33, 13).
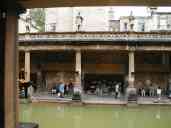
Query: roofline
point(95, 32)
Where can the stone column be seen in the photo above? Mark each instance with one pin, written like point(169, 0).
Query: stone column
point(165, 59)
point(10, 77)
point(131, 77)
point(166, 66)
point(39, 80)
point(27, 66)
point(78, 68)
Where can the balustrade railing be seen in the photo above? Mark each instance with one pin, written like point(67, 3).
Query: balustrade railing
point(96, 36)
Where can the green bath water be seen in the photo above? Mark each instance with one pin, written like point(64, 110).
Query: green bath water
point(63, 116)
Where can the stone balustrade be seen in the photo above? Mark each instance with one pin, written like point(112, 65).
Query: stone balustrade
point(96, 36)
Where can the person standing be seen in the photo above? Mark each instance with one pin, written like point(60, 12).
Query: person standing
point(116, 90)
point(143, 92)
point(159, 93)
point(66, 89)
point(151, 93)
point(61, 89)
point(71, 88)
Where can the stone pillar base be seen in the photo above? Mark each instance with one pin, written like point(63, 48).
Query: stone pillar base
point(131, 94)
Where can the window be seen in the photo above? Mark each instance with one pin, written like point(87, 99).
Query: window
point(132, 27)
point(168, 21)
point(158, 21)
point(142, 27)
point(52, 27)
point(125, 26)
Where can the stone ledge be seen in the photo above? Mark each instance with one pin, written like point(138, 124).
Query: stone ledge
point(28, 125)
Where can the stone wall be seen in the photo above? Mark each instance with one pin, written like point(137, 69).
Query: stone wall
point(54, 78)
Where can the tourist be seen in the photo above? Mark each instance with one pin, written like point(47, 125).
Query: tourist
point(57, 88)
point(30, 90)
point(71, 88)
point(53, 90)
point(22, 92)
point(151, 90)
point(139, 91)
point(116, 90)
point(66, 89)
point(159, 93)
point(61, 89)
point(143, 92)
point(97, 91)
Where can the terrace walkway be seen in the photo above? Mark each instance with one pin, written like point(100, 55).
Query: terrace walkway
point(96, 100)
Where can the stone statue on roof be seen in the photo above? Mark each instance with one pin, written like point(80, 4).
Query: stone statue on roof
point(79, 22)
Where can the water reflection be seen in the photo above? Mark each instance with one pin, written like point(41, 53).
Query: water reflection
point(60, 112)
point(116, 115)
point(77, 121)
point(158, 113)
point(26, 113)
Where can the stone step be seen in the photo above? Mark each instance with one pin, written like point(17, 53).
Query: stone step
point(132, 104)
point(28, 125)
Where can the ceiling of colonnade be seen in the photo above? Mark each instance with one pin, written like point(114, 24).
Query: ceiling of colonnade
point(70, 3)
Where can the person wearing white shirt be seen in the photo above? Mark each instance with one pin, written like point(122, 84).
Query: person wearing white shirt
point(159, 93)
point(116, 90)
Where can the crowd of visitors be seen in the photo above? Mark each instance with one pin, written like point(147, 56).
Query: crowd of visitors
point(152, 91)
point(107, 88)
point(63, 89)
point(102, 88)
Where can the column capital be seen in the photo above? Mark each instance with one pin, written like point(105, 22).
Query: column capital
point(131, 48)
point(27, 50)
point(78, 50)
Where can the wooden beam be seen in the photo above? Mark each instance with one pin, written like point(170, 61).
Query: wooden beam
point(74, 3)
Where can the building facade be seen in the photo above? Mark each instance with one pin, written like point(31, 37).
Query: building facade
point(161, 21)
point(103, 19)
point(92, 58)
point(133, 23)
point(64, 19)
point(156, 21)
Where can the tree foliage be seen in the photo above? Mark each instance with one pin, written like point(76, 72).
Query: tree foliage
point(38, 18)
